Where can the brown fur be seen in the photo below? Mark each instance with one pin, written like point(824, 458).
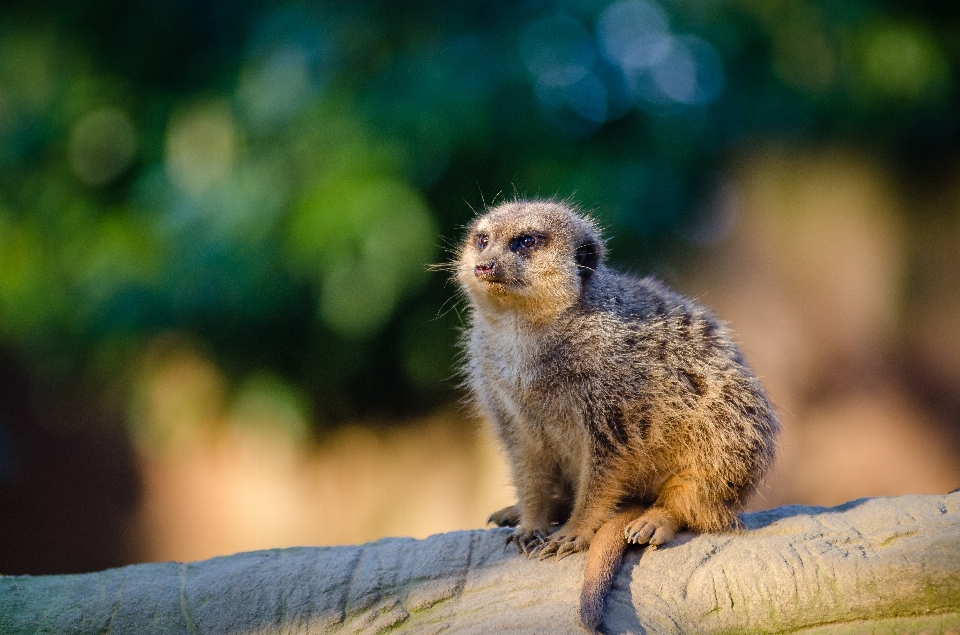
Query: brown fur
point(626, 410)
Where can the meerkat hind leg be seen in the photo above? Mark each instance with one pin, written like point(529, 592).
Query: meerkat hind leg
point(683, 500)
point(654, 527)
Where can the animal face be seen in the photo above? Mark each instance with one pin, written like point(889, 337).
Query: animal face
point(530, 257)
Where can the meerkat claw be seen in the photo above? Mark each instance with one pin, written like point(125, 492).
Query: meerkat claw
point(517, 543)
point(526, 541)
point(642, 535)
point(536, 543)
point(566, 549)
point(522, 547)
point(548, 550)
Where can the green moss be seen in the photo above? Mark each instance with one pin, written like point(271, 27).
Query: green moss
point(940, 623)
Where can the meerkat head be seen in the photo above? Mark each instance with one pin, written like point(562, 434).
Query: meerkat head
point(530, 257)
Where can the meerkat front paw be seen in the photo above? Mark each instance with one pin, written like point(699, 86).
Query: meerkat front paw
point(526, 540)
point(653, 527)
point(506, 517)
point(562, 543)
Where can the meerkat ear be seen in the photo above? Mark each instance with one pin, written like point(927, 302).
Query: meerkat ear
point(587, 257)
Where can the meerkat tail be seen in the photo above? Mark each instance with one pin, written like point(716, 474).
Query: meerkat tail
point(603, 560)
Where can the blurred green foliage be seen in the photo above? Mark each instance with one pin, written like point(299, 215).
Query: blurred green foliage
point(272, 179)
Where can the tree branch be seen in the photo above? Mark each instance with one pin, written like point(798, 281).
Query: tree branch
point(881, 564)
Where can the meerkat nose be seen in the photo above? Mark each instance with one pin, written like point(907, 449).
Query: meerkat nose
point(484, 269)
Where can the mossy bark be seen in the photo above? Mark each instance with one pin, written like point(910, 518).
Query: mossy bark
point(883, 565)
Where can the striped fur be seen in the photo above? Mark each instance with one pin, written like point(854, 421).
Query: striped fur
point(624, 407)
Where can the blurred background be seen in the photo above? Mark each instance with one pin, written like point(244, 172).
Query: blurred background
point(218, 330)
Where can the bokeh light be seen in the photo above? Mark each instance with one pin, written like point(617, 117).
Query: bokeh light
point(201, 147)
point(903, 62)
point(102, 146)
point(217, 226)
point(634, 34)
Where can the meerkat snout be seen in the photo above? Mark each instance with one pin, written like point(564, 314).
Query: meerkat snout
point(485, 270)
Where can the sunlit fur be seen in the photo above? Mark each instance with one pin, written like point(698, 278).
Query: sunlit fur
point(611, 394)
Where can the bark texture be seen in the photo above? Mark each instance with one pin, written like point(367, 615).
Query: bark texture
point(879, 565)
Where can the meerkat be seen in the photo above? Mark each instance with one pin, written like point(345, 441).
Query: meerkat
point(626, 410)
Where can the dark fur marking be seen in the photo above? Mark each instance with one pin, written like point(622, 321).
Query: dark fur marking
point(662, 350)
point(660, 308)
point(694, 382)
point(587, 257)
point(599, 427)
point(709, 329)
point(616, 424)
point(643, 426)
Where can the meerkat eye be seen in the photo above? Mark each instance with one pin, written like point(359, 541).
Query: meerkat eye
point(482, 241)
point(525, 242)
